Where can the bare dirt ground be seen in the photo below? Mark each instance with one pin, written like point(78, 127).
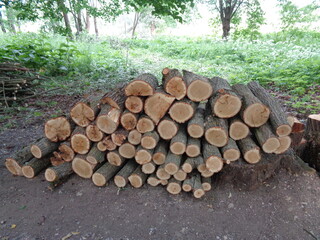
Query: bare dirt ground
point(285, 207)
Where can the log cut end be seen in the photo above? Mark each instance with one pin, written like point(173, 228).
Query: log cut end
point(271, 145)
point(176, 87)
point(28, 172)
point(143, 156)
point(180, 175)
point(181, 112)
point(178, 148)
point(134, 104)
point(145, 125)
point(80, 143)
point(139, 88)
point(120, 181)
point(128, 120)
point(256, 115)
point(231, 155)
point(66, 152)
point(134, 137)
point(171, 168)
point(159, 158)
point(57, 129)
point(148, 168)
point(283, 130)
point(50, 175)
point(285, 143)
point(153, 181)
point(135, 181)
point(82, 168)
point(195, 130)
point(199, 91)
point(192, 151)
point(198, 193)
point(162, 174)
point(174, 187)
point(216, 136)
point(109, 123)
point(114, 158)
point(227, 106)
point(127, 150)
point(238, 130)
point(213, 164)
point(252, 156)
point(82, 114)
point(36, 151)
point(99, 180)
point(167, 129)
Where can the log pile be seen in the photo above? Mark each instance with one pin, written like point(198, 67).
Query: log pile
point(177, 135)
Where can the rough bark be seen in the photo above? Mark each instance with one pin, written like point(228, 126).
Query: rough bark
point(173, 83)
point(266, 139)
point(212, 157)
point(196, 123)
point(172, 163)
point(150, 140)
point(167, 128)
point(134, 104)
point(249, 149)
point(160, 153)
point(230, 152)
point(115, 98)
point(188, 183)
point(129, 120)
point(206, 183)
point(193, 147)
point(238, 129)
point(95, 156)
point(144, 85)
point(145, 124)
point(197, 188)
point(121, 179)
point(59, 173)
point(15, 163)
point(108, 119)
point(127, 150)
point(79, 141)
point(102, 176)
point(33, 167)
point(58, 129)
point(43, 147)
point(178, 143)
point(134, 137)
point(143, 155)
point(183, 110)
point(216, 131)
point(137, 178)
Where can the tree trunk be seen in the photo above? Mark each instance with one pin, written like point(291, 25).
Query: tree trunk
point(225, 27)
point(64, 11)
point(2, 24)
point(87, 22)
point(96, 30)
point(135, 23)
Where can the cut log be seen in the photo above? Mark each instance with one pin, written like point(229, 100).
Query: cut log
point(108, 119)
point(167, 128)
point(15, 163)
point(149, 168)
point(212, 157)
point(82, 167)
point(172, 163)
point(58, 129)
point(93, 133)
point(196, 124)
point(134, 104)
point(79, 141)
point(253, 112)
point(160, 153)
point(188, 183)
point(59, 173)
point(150, 140)
point(85, 111)
point(183, 110)
point(95, 156)
point(129, 120)
point(238, 129)
point(192, 163)
point(106, 144)
point(297, 132)
point(174, 186)
point(56, 160)
point(180, 175)
point(162, 174)
point(153, 180)
point(216, 131)
point(178, 143)
point(164, 182)
point(137, 178)
point(173, 83)
point(33, 167)
point(197, 188)
point(249, 149)
point(224, 103)
point(114, 158)
point(206, 183)
point(285, 143)
point(198, 87)
point(43, 147)
point(267, 140)
point(157, 105)
point(193, 147)
point(115, 98)
point(127, 150)
point(102, 176)
point(143, 155)
point(278, 118)
point(121, 179)
point(66, 151)
point(134, 137)
point(144, 85)
point(230, 152)
point(207, 173)
point(119, 136)
point(145, 124)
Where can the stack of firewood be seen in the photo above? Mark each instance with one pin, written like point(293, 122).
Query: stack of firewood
point(178, 134)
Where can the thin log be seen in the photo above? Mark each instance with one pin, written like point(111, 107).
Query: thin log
point(267, 140)
point(93, 133)
point(127, 150)
point(183, 110)
point(196, 124)
point(114, 158)
point(238, 129)
point(178, 143)
point(43, 147)
point(212, 157)
point(197, 188)
point(95, 156)
point(59, 173)
point(115, 98)
point(162, 174)
point(285, 143)
point(167, 128)
point(107, 144)
point(134, 137)
point(172, 163)
point(143, 155)
point(150, 140)
point(102, 176)
point(129, 120)
point(174, 186)
point(108, 119)
point(119, 136)
point(188, 183)
point(144, 85)
point(137, 178)
point(80, 143)
point(249, 149)
point(206, 183)
point(145, 124)
point(180, 175)
point(160, 153)
point(153, 180)
point(134, 104)
point(173, 83)
point(82, 167)
point(216, 131)
point(121, 179)
point(193, 147)
point(15, 163)
point(66, 151)
point(149, 168)
point(192, 163)
point(33, 167)
point(230, 152)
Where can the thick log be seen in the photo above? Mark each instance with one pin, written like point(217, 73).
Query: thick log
point(216, 131)
point(95, 156)
point(266, 139)
point(212, 157)
point(253, 112)
point(66, 151)
point(197, 188)
point(224, 103)
point(144, 85)
point(183, 110)
point(172, 163)
point(173, 83)
point(43, 147)
point(162, 174)
point(129, 120)
point(206, 183)
point(80, 143)
point(119, 136)
point(93, 133)
point(33, 167)
point(108, 119)
point(193, 147)
point(249, 149)
point(230, 152)
point(187, 184)
point(278, 118)
point(192, 163)
point(137, 178)
point(134, 137)
point(196, 124)
point(145, 124)
point(157, 105)
point(102, 176)
point(115, 98)
point(127, 150)
point(121, 179)
point(15, 163)
point(150, 140)
point(153, 180)
point(238, 129)
point(143, 155)
point(134, 104)
point(198, 87)
point(178, 143)
point(180, 175)
point(174, 186)
point(58, 129)
point(59, 173)
point(167, 128)
point(82, 167)
point(85, 111)
point(160, 153)
point(114, 158)
point(148, 168)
